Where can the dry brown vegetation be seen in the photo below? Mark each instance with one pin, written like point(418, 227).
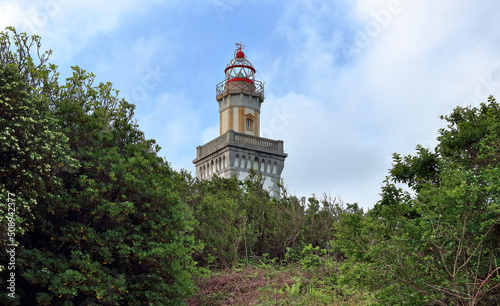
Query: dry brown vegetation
point(244, 286)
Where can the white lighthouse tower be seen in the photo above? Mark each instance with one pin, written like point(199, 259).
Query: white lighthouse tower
point(239, 147)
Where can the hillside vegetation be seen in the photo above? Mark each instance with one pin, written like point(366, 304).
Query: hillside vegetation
point(100, 219)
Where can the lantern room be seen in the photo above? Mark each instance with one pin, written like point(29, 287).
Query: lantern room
point(240, 96)
point(239, 68)
point(240, 76)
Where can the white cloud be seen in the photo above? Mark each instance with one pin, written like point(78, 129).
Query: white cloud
point(419, 63)
point(68, 26)
point(9, 14)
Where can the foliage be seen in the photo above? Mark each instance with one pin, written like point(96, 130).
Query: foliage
point(276, 285)
point(440, 244)
point(311, 256)
point(25, 53)
point(241, 221)
point(33, 151)
point(107, 228)
point(320, 217)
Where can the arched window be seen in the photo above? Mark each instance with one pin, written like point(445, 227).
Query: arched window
point(237, 161)
point(268, 167)
point(249, 120)
point(256, 164)
point(262, 166)
point(275, 168)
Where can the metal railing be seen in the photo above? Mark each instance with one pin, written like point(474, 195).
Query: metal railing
point(254, 87)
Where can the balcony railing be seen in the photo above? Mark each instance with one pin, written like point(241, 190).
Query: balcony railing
point(254, 87)
point(238, 139)
point(258, 141)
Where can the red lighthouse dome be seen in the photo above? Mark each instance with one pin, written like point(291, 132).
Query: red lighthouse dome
point(240, 54)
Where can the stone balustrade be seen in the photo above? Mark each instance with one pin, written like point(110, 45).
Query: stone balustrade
point(240, 140)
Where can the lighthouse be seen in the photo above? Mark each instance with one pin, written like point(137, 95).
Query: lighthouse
point(239, 147)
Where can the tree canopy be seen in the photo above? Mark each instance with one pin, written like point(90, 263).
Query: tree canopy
point(439, 244)
point(97, 220)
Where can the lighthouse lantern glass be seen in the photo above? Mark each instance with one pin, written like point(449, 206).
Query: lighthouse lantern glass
point(240, 69)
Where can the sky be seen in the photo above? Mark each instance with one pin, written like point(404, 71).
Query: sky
point(348, 83)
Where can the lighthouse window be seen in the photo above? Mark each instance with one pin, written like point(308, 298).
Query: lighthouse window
point(249, 119)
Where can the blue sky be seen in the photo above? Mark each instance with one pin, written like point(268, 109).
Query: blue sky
point(348, 83)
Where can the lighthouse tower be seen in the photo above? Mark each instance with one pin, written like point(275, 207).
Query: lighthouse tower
point(239, 147)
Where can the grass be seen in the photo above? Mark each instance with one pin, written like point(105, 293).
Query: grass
point(269, 284)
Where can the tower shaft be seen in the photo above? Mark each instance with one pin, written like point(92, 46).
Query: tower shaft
point(240, 112)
